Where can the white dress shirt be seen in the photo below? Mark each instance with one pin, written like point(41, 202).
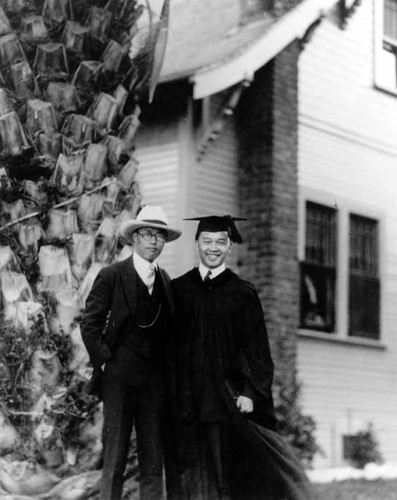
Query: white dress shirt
point(144, 268)
point(203, 270)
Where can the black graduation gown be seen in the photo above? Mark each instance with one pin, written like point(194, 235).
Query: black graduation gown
point(221, 351)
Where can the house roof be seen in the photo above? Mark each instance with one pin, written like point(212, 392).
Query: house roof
point(204, 34)
point(208, 44)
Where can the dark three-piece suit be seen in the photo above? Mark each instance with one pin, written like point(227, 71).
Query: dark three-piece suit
point(129, 330)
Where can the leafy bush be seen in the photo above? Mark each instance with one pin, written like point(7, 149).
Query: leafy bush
point(297, 428)
point(364, 448)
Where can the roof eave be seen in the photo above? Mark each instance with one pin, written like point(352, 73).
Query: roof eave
point(293, 25)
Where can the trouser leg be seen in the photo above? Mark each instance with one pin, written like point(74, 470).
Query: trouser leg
point(192, 463)
point(217, 445)
point(148, 423)
point(170, 457)
point(118, 407)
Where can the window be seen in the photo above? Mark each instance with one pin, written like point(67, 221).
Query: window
point(386, 44)
point(364, 289)
point(340, 286)
point(318, 270)
point(390, 22)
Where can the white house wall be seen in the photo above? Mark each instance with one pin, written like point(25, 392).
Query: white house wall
point(157, 151)
point(171, 176)
point(216, 177)
point(348, 159)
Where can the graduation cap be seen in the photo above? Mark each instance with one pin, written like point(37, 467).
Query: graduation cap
point(215, 223)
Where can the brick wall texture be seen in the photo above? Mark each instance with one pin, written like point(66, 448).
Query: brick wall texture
point(267, 128)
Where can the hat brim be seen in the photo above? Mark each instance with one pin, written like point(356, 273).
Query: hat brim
point(127, 228)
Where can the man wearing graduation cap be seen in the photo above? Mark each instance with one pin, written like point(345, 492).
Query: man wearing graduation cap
point(224, 374)
point(126, 328)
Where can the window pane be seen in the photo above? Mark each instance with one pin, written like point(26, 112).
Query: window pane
point(317, 298)
point(320, 234)
point(364, 286)
point(390, 19)
point(363, 245)
point(364, 303)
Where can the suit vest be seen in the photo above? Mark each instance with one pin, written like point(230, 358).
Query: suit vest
point(148, 334)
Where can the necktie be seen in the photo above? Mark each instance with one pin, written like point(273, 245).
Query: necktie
point(150, 278)
point(207, 277)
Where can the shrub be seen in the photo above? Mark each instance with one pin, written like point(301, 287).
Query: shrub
point(297, 428)
point(363, 448)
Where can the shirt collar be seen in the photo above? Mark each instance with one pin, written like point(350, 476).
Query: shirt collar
point(141, 265)
point(203, 270)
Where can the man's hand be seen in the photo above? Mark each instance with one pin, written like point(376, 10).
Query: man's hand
point(244, 404)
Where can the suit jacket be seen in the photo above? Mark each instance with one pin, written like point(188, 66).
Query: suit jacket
point(110, 314)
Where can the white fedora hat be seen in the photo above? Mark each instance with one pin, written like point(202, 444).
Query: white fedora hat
point(153, 217)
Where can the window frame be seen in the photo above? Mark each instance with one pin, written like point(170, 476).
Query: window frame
point(344, 208)
point(312, 266)
point(386, 39)
point(381, 81)
point(366, 276)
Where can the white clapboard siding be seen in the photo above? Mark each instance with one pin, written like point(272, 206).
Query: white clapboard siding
point(158, 155)
point(348, 155)
point(215, 179)
point(337, 80)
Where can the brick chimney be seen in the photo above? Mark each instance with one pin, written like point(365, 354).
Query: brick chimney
point(268, 132)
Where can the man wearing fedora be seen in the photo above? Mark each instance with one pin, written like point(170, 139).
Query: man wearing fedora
point(126, 330)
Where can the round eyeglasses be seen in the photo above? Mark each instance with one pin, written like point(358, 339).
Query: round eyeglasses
point(148, 235)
